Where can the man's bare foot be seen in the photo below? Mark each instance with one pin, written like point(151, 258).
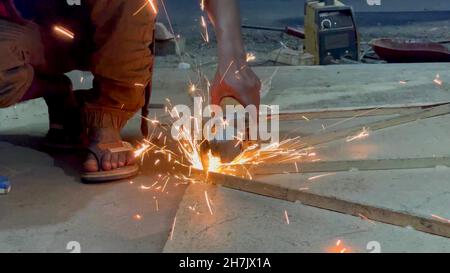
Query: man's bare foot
point(109, 161)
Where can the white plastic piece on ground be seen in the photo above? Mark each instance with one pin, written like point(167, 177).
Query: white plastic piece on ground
point(184, 66)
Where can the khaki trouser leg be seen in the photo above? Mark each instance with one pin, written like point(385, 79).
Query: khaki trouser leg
point(20, 50)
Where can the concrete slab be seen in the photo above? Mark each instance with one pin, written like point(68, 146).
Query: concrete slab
point(422, 138)
point(322, 87)
point(243, 222)
point(422, 192)
point(48, 207)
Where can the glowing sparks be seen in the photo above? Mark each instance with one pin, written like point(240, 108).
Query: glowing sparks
point(202, 5)
point(363, 134)
point(250, 57)
point(208, 203)
point(192, 89)
point(437, 80)
point(338, 247)
point(173, 228)
point(442, 219)
point(214, 163)
point(152, 5)
point(142, 150)
point(320, 176)
point(363, 217)
point(64, 32)
point(145, 187)
point(286, 216)
point(137, 217)
point(226, 71)
point(205, 32)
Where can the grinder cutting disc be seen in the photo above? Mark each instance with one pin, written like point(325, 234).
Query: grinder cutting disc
point(227, 150)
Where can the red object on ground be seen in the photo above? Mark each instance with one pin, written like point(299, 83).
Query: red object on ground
point(410, 51)
point(3, 12)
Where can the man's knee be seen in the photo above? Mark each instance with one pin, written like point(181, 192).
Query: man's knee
point(14, 83)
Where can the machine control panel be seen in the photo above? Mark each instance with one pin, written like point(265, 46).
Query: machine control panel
point(335, 19)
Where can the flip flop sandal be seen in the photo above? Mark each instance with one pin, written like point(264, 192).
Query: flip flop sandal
point(116, 174)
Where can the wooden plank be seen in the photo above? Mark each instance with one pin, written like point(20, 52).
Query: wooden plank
point(312, 140)
point(347, 165)
point(380, 214)
point(355, 112)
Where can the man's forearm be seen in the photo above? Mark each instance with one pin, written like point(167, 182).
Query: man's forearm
point(225, 16)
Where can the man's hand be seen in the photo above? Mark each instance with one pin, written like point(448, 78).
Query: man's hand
point(234, 78)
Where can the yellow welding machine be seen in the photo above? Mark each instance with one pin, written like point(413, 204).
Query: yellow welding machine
point(331, 35)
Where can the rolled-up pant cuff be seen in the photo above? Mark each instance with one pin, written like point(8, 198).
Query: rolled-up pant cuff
point(103, 117)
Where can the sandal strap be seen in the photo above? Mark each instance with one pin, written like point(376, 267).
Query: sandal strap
point(99, 150)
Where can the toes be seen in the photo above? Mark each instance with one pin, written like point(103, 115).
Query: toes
point(130, 158)
point(106, 162)
point(90, 165)
point(122, 159)
point(114, 160)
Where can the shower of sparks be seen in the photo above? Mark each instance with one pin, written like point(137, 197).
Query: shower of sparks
point(65, 32)
point(286, 216)
point(137, 217)
point(205, 32)
point(186, 150)
point(208, 203)
point(363, 134)
point(437, 80)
